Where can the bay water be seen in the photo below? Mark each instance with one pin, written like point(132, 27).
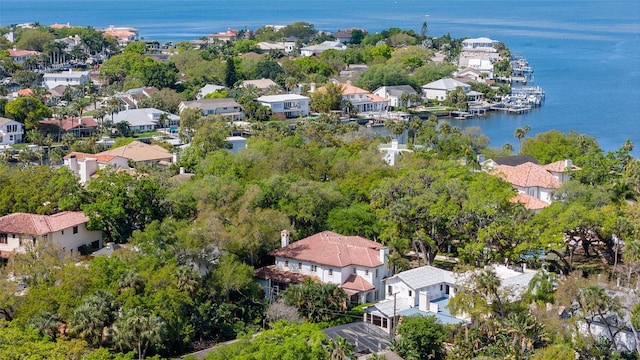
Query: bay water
point(586, 54)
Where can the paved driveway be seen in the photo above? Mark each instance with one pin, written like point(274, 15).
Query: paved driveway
point(365, 337)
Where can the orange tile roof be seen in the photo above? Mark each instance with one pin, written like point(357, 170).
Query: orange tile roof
point(529, 202)
point(376, 98)
point(101, 158)
point(32, 224)
point(527, 175)
point(139, 151)
point(332, 249)
point(19, 52)
point(560, 167)
point(357, 283)
point(25, 92)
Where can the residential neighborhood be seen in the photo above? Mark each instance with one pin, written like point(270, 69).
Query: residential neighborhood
point(300, 193)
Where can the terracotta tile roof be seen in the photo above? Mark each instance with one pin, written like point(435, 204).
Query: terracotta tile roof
point(32, 224)
point(104, 158)
point(357, 283)
point(25, 92)
point(348, 89)
point(19, 53)
point(527, 175)
point(332, 249)
point(561, 166)
point(529, 202)
point(375, 98)
point(272, 273)
point(259, 83)
point(72, 122)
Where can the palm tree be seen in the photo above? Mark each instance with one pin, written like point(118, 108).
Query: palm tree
point(397, 128)
point(47, 323)
point(273, 90)
point(78, 107)
point(99, 114)
point(123, 128)
point(163, 119)
point(342, 349)
point(520, 134)
point(130, 281)
point(68, 140)
point(137, 329)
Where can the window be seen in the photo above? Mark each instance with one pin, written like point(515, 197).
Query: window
point(410, 293)
point(62, 232)
point(75, 229)
point(366, 272)
point(3, 239)
point(376, 273)
point(440, 287)
point(314, 268)
point(354, 271)
point(330, 272)
point(299, 266)
point(390, 290)
point(286, 263)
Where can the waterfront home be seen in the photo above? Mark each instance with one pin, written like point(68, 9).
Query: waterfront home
point(123, 35)
point(291, 105)
point(229, 35)
point(10, 131)
point(68, 230)
point(146, 120)
point(426, 291)
point(131, 97)
point(483, 44)
point(85, 166)
point(483, 49)
point(316, 50)
point(361, 99)
point(391, 152)
point(345, 36)
point(262, 84)
point(356, 264)
point(394, 94)
point(439, 89)
point(286, 46)
point(226, 107)
point(469, 74)
point(67, 78)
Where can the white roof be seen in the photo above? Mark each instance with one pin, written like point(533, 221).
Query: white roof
point(326, 46)
point(140, 117)
point(424, 276)
point(445, 84)
point(66, 74)
point(282, 97)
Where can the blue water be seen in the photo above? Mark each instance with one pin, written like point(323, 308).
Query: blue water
point(586, 54)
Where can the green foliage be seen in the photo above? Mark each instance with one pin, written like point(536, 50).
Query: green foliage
point(27, 110)
point(420, 337)
point(315, 301)
point(383, 75)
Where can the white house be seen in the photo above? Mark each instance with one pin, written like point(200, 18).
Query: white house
point(439, 89)
point(391, 152)
point(394, 94)
point(145, 120)
point(291, 105)
point(122, 34)
point(67, 229)
point(84, 166)
point(10, 131)
point(236, 143)
point(479, 44)
point(227, 107)
point(356, 264)
point(426, 290)
point(319, 48)
point(66, 78)
point(361, 99)
point(18, 56)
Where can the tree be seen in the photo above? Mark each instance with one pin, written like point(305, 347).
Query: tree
point(479, 295)
point(420, 337)
point(140, 330)
point(92, 319)
point(520, 133)
point(27, 110)
point(231, 77)
point(315, 301)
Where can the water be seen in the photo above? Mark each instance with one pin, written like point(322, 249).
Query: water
point(586, 54)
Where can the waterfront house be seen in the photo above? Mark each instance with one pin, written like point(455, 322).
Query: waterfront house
point(146, 120)
point(394, 94)
point(19, 56)
point(286, 46)
point(439, 89)
point(291, 105)
point(10, 131)
point(345, 36)
point(426, 290)
point(478, 49)
point(316, 50)
point(483, 44)
point(80, 127)
point(67, 78)
point(229, 35)
point(391, 152)
point(85, 166)
point(68, 230)
point(356, 264)
point(361, 99)
point(226, 107)
point(123, 35)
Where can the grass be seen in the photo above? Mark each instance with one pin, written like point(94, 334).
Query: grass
point(147, 134)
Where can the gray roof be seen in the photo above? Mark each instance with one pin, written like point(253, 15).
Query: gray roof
point(424, 276)
point(445, 84)
point(399, 89)
point(140, 117)
point(515, 160)
point(206, 104)
point(4, 121)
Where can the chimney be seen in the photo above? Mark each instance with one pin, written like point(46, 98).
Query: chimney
point(423, 301)
point(174, 159)
point(568, 164)
point(181, 169)
point(284, 238)
point(394, 144)
point(73, 163)
point(312, 87)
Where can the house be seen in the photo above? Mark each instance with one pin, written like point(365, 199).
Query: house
point(227, 107)
point(229, 35)
point(536, 180)
point(67, 229)
point(313, 50)
point(361, 99)
point(478, 49)
point(146, 120)
point(483, 65)
point(131, 97)
point(19, 56)
point(483, 44)
point(67, 78)
point(208, 89)
point(356, 264)
point(426, 290)
point(468, 74)
point(262, 84)
point(123, 35)
point(345, 36)
point(285, 46)
point(236, 143)
point(291, 105)
point(393, 151)
point(84, 166)
point(394, 94)
point(439, 89)
point(507, 160)
point(139, 152)
point(10, 131)
point(80, 127)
